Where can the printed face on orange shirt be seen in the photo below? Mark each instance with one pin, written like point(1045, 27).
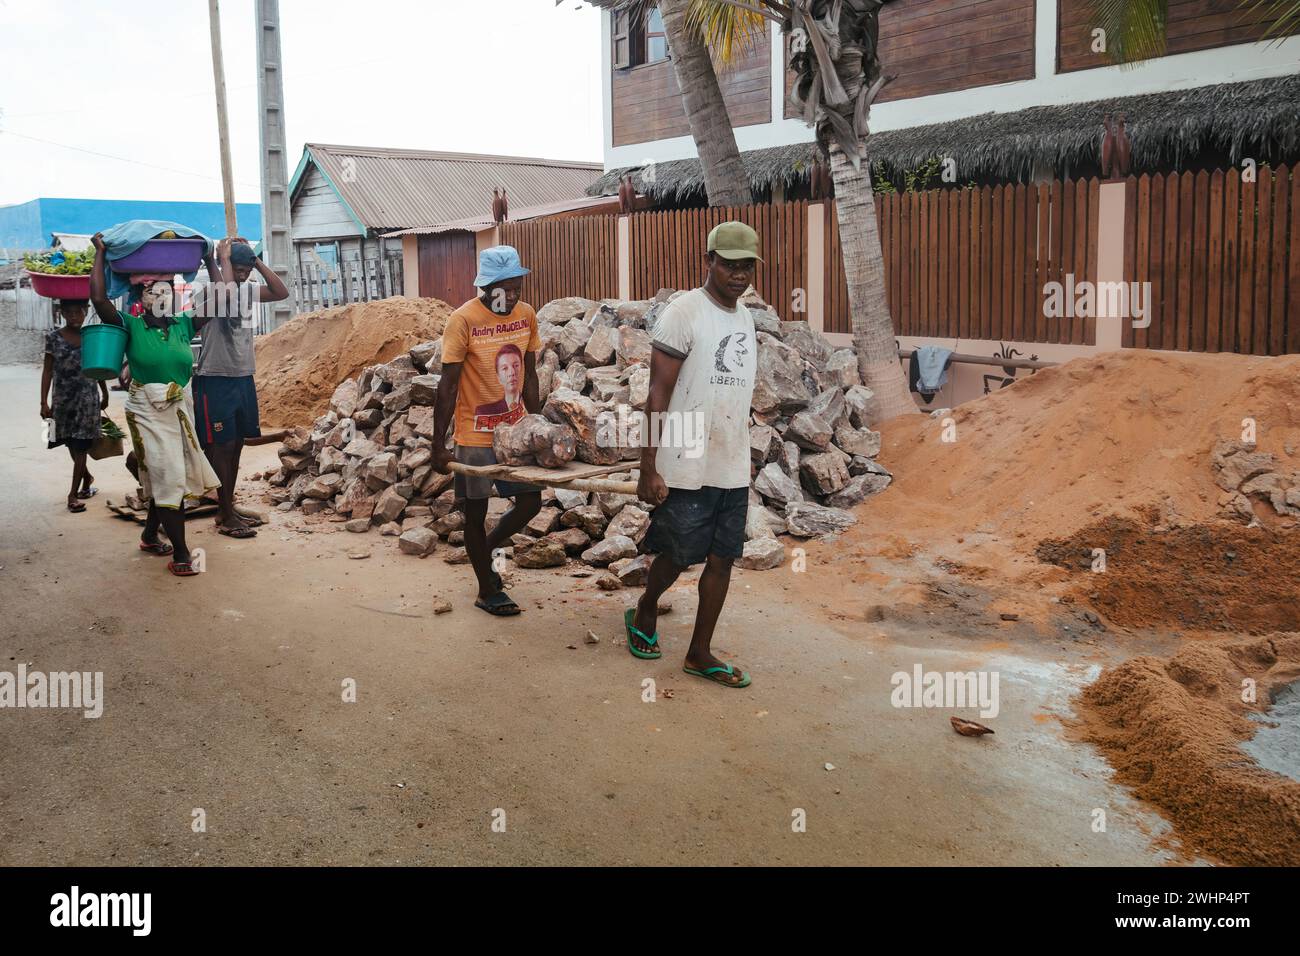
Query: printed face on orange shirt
point(510, 372)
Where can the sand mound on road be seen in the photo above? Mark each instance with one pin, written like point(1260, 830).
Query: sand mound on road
point(1107, 435)
point(301, 363)
point(1173, 731)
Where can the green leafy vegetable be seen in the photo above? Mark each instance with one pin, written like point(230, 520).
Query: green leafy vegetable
point(60, 262)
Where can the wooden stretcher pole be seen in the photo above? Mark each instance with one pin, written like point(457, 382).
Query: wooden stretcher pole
point(223, 122)
point(573, 484)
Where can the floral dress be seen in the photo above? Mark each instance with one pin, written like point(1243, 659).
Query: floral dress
point(76, 398)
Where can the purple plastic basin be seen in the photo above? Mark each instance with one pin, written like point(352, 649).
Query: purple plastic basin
point(163, 256)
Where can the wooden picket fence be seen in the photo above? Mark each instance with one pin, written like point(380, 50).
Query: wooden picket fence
point(567, 257)
point(974, 263)
point(1223, 259)
point(668, 249)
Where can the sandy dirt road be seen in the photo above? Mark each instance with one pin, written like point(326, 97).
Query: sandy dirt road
point(224, 693)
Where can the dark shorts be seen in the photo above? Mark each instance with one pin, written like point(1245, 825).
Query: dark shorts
point(225, 409)
point(466, 486)
point(691, 525)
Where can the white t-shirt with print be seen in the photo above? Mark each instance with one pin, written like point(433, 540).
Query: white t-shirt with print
point(704, 438)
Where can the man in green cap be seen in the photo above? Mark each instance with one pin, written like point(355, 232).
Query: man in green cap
point(695, 460)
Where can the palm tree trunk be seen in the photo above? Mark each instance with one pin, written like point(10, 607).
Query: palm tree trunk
point(725, 179)
point(864, 268)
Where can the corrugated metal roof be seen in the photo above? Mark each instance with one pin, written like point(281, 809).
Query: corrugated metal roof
point(390, 189)
point(479, 223)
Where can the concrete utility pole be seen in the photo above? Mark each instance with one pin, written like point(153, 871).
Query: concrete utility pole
point(223, 124)
point(277, 249)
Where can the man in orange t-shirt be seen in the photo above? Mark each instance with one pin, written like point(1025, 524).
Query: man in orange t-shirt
point(489, 378)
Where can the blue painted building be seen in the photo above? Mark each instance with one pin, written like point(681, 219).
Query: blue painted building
point(29, 225)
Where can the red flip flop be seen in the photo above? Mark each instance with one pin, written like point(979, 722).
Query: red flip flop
point(181, 569)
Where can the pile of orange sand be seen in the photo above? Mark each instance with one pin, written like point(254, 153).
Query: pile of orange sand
point(301, 363)
point(1173, 730)
point(1094, 437)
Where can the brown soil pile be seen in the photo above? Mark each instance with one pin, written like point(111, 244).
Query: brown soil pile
point(301, 363)
point(1095, 437)
point(1173, 729)
point(1221, 576)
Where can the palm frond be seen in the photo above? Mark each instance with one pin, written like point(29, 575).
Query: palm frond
point(1134, 29)
point(727, 30)
point(1285, 15)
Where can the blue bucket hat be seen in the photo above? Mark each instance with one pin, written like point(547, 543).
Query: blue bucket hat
point(498, 264)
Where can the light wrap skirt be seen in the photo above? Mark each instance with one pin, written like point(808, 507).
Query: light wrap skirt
point(160, 418)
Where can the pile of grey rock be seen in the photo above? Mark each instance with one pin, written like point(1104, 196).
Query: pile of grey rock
point(366, 461)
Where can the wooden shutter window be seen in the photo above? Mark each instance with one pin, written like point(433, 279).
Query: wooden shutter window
point(622, 41)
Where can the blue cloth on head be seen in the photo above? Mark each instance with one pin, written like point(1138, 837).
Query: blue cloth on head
point(498, 264)
point(126, 237)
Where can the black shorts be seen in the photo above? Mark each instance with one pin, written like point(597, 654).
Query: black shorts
point(691, 525)
point(225, 409)
point(473, 487)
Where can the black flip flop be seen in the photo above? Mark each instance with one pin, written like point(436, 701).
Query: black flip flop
point(88, 493)
point(76, 507)
point(498, 605)
point(243, 531)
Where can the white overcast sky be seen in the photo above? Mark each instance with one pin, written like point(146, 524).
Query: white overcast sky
point(133, 79)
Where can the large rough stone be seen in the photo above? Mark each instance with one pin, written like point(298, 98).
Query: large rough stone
point(324, 486)
point(600, 347)
point(424, 389)
point(539, 553)
point(610, 549)
point(865, 466)
point(330, 459)
point(763, 440)
point(632, 314)
point(787, 457)
point(344, 399)
point(588, 517)
point(417, 541)
point(857, 441)
point(778, 382)
point(560, 311)
point(567, 498)
point(811, 345)
point(632, 572)
point(829, 406)
point(765, 320)
point(546, 371)
point(631, 522)
point(534, 440)
point(381, 470)
point(543, 523)
point(633, 347)
point(574, 541)
point(612, 502)
point(567, 407)
point(762, 554)
point(824, 473)
point(859, 400)
point(398, 400)
point(842, 368)
point(775, 485)
point(390, 506)
point(638, 385)
point(803, 519)
point(297, 440)
point(761, 523)
point(427, 357)
point(809, 431)
point(397, 372)
point(575, 377)
point(362, 448)
point(572, 340)
point(1234, 463)
point(858, 489)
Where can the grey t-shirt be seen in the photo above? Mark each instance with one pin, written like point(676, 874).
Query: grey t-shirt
point(228, 336)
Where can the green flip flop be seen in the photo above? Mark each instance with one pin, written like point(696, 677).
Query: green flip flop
point(709, 672)
point(654, 655)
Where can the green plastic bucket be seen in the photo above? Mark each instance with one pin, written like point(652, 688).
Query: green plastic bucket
point(102, 350)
